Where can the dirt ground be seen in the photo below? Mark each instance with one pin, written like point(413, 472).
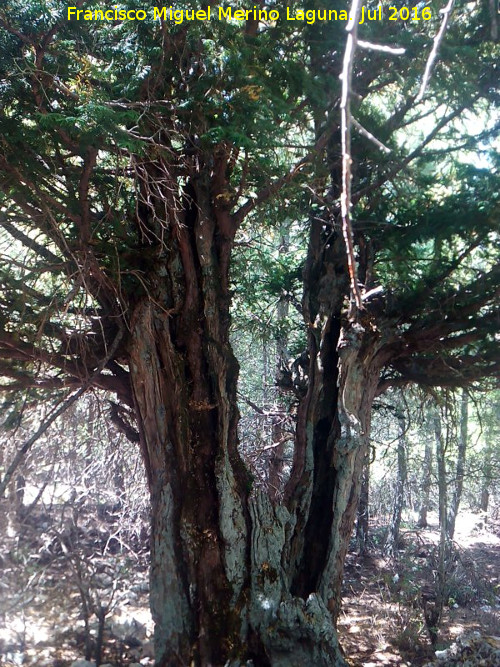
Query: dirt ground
point(382, 621)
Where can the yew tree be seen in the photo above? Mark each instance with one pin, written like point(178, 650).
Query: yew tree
point(132, 156)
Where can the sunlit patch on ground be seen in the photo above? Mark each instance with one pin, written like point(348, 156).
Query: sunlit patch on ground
point(382, 619)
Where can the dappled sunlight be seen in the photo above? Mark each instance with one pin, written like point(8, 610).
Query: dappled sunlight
point(248, 321)
point(382, 621)
point(473, 527)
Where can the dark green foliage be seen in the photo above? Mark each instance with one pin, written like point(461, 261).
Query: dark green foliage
point(197, 90)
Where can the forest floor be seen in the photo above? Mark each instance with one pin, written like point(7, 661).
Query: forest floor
point(382, 619)
point(49, 576)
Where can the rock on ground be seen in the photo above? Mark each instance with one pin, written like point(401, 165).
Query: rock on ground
point(472, 650)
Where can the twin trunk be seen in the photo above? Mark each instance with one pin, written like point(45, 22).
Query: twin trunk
point(235, 576)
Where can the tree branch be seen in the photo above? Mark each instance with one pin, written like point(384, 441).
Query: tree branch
point(433, 54)
point(26, 240)
point(267, 192)
point(345, 130)
point(57, 412)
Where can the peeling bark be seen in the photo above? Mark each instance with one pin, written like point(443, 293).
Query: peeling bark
point(333, 426)
point(184, 381)
point(295, 631)
point(237, 575)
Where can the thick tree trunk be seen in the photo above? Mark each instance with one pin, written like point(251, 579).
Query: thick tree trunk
point(333, 425)
point(235, 576)
point(184, 379)
point(220, 586)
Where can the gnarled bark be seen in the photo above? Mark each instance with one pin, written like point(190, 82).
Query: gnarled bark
point(184, 380)
point(236, 576)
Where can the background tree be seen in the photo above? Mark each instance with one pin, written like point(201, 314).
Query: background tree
point(487, 459)
point(132, 154)
point(426, 485)
point(401, 483)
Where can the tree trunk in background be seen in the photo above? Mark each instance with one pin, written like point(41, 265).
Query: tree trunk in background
point(485, 498)
point(426, 485)
point(487, 476)
point(363, 514)
point(392, 542)
point(279, 435)
point(434, 612)
point(460, 467)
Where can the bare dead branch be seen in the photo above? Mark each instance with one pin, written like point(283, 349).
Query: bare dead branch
point(57, 412)
point(346, 121)
point(370, 46)
point(435, 48)
point(365, 133)
point(27, 445)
